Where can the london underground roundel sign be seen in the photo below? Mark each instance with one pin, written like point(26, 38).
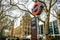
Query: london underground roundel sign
point(36, 8)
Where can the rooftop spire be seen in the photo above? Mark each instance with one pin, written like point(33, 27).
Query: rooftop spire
point(27, 14)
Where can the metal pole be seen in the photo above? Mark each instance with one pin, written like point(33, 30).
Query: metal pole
point(34, 29)
point(37, 22)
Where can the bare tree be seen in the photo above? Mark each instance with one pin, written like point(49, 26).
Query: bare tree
point(46, 9)
point(4, 8)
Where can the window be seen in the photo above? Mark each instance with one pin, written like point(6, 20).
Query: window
point(28, 33)
point(25, 33)
point(25, 27)
point(41, 29)
point(55, 27)
point(29, 19)
point(50, 28)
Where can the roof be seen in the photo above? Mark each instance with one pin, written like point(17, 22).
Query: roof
point(26, 14)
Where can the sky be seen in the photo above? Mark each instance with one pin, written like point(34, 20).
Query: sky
point(28, 5)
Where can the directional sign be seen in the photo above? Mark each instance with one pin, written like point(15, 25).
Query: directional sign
point(36, 8)
point(34, 29)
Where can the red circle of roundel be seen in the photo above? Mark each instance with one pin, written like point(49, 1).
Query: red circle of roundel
point(34, 9)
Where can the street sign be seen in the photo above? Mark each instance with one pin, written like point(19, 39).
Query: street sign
point(36, 8)
point(33, 22)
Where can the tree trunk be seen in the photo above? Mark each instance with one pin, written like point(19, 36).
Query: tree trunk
point(58, 22)
point(59, 25)
point(47, 36)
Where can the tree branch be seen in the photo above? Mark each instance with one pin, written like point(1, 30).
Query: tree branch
point(27, 10)
point(22, 9)
point(54, 16)
point(50, 5)
point(41, 19)
point(53, 3)
point(44, 5)
point(55, 10)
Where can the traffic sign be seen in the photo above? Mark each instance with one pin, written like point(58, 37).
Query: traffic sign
point(36, 8)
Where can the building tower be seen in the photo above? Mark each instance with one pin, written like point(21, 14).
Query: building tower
point(25, 25)
point(24, 29)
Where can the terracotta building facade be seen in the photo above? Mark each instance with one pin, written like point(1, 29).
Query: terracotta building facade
point(25, 27)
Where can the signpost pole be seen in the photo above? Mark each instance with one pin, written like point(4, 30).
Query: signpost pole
point(36, 11)
point(37, 21)
point(34, 28)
